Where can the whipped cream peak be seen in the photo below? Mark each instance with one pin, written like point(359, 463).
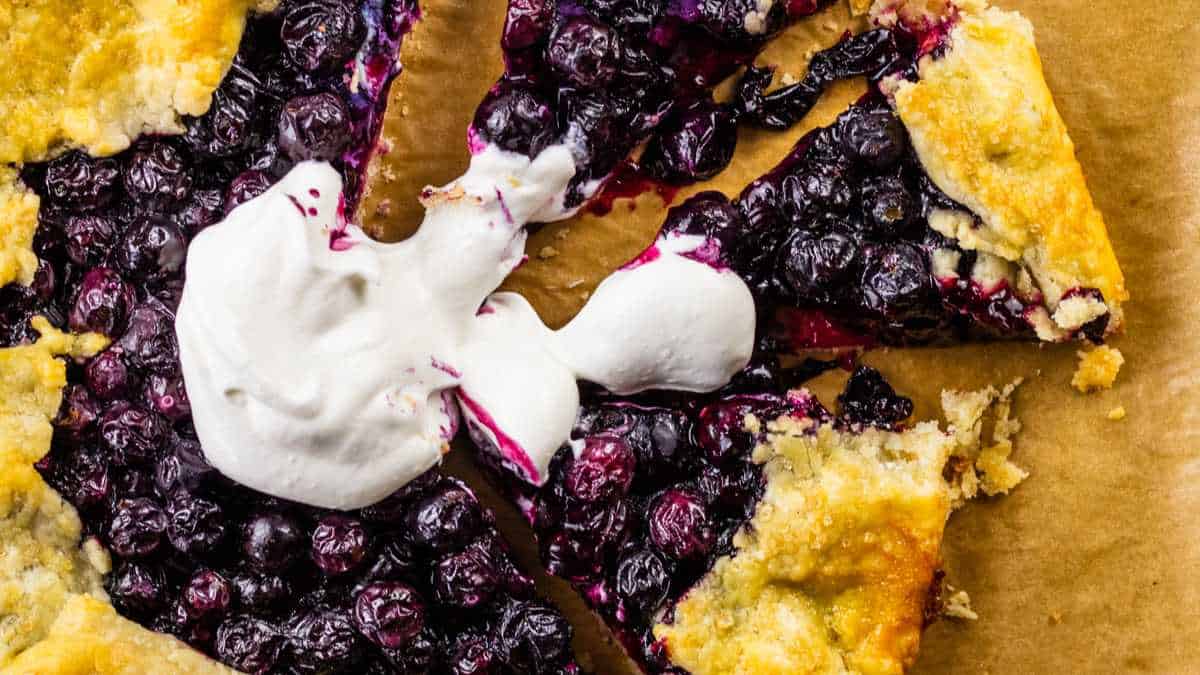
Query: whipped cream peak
point(326, 368)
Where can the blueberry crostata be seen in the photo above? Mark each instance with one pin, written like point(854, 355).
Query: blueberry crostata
point(223, 405)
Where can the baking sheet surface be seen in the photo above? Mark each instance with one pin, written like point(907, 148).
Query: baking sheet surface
point(1092, 564)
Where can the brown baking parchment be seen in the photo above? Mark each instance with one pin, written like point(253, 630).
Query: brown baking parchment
point(1092, 565)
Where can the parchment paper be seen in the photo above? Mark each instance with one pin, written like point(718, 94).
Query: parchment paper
point(1093, 564)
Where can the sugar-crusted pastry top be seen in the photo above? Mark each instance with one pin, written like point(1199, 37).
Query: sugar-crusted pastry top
point(984, 124)
point(96, 73)
point(833, 572)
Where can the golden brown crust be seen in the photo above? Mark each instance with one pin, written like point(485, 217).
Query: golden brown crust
point(18, 221)
point(90, 638)
point(832, 573)
point(986, 129)
point(1098, 369)
point(96, 73)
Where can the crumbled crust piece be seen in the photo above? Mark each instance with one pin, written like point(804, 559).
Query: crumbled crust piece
point(90, 638)
point(97, 73)
point(1098, 368)
point(833, 571)
point(917, 14)
point(18, 222)
point(958, 606)
point(984, 125)
point(1117, 414)
point(978, 466)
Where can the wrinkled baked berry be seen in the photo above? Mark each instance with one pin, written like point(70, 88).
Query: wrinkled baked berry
point(875, 138)
point(895, 279)
point(107, 376)
point(149, 342)
point(585, 51)
point(89, 238)
point(527, 23)
point(339, 543)
point(246, 186)
point(82, 181)
point(320, 34)
point(103, 303)
point(137, 527)
point(814, 266)
point(324, 640)
point(465, 580)
point(445, 520)
point(603, 471)
point(207, 595)
point(248, 644)
point(131, 434)
point(534, 637)
point(643, 580)
point(138, 588)
point(678, 525)
point(696, 145)
point(196, 526)
point(158, 174)
point(314, 127)
point(389, 613)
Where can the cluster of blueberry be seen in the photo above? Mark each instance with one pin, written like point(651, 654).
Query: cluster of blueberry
point(603, 76)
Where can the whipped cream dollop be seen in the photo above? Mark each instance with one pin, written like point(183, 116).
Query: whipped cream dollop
point(330, 369)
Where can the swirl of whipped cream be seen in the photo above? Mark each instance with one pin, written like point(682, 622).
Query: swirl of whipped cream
point(329, 369)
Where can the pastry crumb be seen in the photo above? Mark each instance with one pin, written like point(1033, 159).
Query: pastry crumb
point(958, 606)
point(1055, 618)
point(384, 208)
point(1097, 369)
point(979, 466)
point(547, 252)
point(1117, 414)
point(562, 234)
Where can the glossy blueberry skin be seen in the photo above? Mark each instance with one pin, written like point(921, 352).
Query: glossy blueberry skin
point(103, 303)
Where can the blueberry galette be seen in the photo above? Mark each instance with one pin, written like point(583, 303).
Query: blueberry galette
point(222, 404)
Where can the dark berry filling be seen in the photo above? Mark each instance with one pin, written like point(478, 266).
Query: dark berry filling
point(837, 247)
point(418, 583)
point(655, 488)
point(603, 76)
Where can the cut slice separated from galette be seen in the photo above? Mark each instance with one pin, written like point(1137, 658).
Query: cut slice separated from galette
point(730, 525)
point(753, 531)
